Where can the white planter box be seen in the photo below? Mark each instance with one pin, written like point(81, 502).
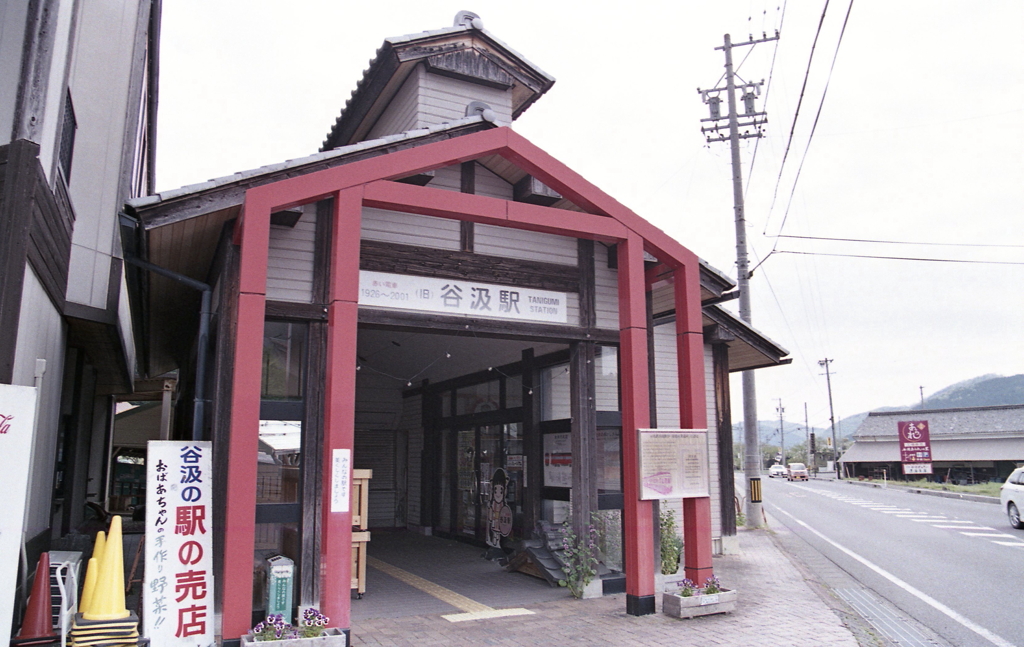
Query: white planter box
point(331, 638)
point(698, 605)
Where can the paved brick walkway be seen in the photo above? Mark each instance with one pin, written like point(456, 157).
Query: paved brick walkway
point(776, 607)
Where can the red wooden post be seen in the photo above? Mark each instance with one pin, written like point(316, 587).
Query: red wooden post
point(692, 414)
point(253, 236)
point(339, 413)
point(636, 414)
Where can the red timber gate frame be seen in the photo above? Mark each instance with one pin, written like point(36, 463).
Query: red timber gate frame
point(366, 183)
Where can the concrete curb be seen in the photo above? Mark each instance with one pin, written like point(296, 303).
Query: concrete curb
point(979, 498)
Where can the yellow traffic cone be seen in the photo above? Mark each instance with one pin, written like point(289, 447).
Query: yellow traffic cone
point(107, 601)
point(92, 572)
point(99, 546)
point(89, 587)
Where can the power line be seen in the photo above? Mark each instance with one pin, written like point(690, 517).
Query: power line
point(767, 91)
point(896, 242)
point(893, 258)
point(817, 116)
point(796, 113)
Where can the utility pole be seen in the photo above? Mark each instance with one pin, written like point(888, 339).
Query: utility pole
point(831, 415)
point(752, 120)
point(922, 396)
point(782, 431)
point(810, 452)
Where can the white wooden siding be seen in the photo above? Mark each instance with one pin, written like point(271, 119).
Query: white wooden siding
point(663, 298)
point(290, 260)
point(41, 335)
point(402, 113)
point(667, 395)
point(666, 371)
point(554, 392)
point(606, 378)
point(443, 99)
point(491, 185)
point(410, 229)
point(448, 178)
point(606, 280)
point(525, 245)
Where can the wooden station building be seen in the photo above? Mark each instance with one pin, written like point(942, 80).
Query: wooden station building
point(433, 297)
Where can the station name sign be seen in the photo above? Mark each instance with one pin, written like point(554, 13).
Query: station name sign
point(461, 297)
point(673, 464)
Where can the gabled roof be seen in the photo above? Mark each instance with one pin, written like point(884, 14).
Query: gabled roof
point(464, 50)
point(964, 422)
point(181, 228)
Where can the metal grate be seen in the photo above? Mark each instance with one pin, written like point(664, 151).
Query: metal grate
point(881, 616)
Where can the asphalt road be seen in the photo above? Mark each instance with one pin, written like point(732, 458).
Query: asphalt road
point(955, 566)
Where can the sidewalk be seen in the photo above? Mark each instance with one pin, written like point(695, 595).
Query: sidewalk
point(776, 607)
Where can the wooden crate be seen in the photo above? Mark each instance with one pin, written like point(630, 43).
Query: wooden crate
point(360, 520)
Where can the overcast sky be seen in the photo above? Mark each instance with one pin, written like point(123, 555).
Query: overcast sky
point(919, 139)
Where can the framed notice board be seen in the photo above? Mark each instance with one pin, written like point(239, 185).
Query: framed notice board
point(673, 463)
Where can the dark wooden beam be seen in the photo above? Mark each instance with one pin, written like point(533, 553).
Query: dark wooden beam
point(466, 228)
point(497, 328)
point(723, 421)
point(582, 406)
point(421, 261)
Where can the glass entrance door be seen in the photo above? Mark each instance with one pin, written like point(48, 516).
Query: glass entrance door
point(488, 487)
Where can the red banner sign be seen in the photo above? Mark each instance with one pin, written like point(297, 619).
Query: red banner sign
point(915, 444)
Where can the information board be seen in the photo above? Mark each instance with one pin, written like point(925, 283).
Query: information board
point(673, 464)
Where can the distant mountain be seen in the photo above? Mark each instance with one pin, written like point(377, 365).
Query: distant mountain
point(985, 391)
point(982, 391)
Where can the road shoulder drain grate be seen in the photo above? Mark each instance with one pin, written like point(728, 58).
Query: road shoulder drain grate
point(890, 624)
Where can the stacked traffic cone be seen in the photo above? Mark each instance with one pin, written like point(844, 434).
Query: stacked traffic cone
point(92, 572)
point(37, 627)
point(104, 621)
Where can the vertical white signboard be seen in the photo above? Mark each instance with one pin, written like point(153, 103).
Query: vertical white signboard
point(17, 426)
point(178, 593)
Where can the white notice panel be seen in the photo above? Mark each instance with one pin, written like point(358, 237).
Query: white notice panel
point(17, 426)
point(461, 297)
point(178, 588)
point(673, 464)
point(341, 479)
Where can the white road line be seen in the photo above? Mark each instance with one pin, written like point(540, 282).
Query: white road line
point(949, 527)
point(986, 534)
point(1009, 543)
point(969, 523)
point(924, 597)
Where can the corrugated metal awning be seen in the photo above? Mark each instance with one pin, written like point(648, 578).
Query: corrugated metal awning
point(989, 449)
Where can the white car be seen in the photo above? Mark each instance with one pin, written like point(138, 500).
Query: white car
point(777, 470)
point(1011, 495)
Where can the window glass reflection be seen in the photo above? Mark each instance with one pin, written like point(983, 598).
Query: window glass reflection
point(279, 461)
point(284, 352)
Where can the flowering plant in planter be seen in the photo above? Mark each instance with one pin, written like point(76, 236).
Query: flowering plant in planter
point(275, 628)
point(687, 588)
point(712, 586)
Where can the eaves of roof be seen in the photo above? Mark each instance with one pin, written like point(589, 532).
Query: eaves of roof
point(194, 199)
